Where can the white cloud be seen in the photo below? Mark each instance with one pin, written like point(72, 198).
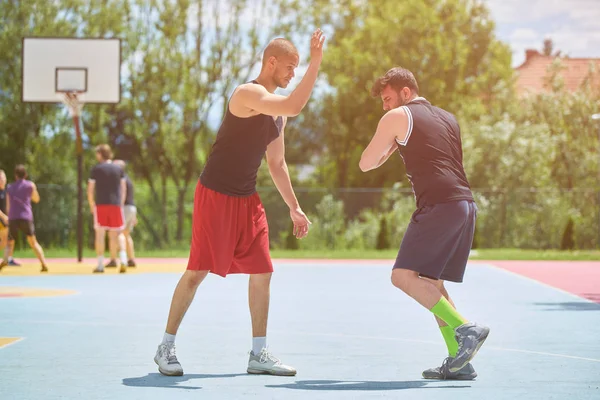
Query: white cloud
point(572, 42)
point(524, 34)
point(517, 11)
point(522, 39)
point(572, 25)
point(224, 11)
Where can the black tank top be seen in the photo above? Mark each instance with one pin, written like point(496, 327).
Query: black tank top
point(237, 153)
point(432, 154)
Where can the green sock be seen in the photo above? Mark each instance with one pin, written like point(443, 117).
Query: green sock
point(444, 311)
point(451, 343)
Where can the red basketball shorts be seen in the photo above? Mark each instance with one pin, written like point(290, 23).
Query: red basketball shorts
point(230, 235)
point(108, 216)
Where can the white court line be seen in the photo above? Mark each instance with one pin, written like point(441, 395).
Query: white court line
point(539, 282)
point(338, 335)
point(434, 343)
point(11, 343)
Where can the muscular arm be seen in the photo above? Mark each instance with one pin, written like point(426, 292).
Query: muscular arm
point(251, 99)
point(392, 126)
point(392, 150)
point(279, 171)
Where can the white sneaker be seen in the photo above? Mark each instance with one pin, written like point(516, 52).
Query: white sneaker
point(166, 360)
point(265, 363)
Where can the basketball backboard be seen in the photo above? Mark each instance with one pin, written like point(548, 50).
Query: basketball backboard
point(53, 66)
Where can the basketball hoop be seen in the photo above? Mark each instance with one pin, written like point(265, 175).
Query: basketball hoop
point(72, 71)
point(73, 100)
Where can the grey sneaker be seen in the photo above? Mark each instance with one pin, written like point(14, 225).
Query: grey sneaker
point(467, 373)
point(166, 360)
point(470, 337)
point(265, 363)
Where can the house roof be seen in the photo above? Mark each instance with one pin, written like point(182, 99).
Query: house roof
point(531, 74)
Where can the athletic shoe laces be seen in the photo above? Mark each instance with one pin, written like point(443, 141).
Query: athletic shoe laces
point(266, 356)
point(170, 354)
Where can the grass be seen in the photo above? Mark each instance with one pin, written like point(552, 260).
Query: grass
point(479, 254)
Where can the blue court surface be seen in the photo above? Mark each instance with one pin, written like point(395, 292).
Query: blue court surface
point(347, 330)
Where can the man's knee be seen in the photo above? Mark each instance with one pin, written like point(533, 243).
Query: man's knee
point(402, 278)
point(260, 279)
point(193, 278)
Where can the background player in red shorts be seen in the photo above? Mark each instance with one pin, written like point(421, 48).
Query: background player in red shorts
point(229, 230)
point(106, 196)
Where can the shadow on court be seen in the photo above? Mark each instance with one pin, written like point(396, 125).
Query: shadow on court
point(361, 385)
point(160, 381)
point(570, 306)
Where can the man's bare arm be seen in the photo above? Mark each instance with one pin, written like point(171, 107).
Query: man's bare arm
point(90, 194)
point(251, 97)
point(35, 195)
point(123, 191)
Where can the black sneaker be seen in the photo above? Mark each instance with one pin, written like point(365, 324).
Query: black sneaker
point(467, 373)
point(470, 337)
point(111, 264)
point(44, 269)
point(131, 263)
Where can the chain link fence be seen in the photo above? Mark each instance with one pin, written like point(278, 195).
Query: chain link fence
point(533, 218)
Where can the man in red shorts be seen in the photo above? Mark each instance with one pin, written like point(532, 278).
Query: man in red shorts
point(229, 230)
point(106, 196)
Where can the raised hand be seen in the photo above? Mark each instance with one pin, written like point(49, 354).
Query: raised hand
point(316, 46)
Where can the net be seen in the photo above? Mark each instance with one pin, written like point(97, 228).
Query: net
point(73, 100)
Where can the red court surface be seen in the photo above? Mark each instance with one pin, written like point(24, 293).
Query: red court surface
point(581, 278)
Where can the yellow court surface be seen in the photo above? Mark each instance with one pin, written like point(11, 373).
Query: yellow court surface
point(65, 266)
point(6, 341)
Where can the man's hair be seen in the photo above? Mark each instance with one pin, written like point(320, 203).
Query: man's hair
point(120, 163)
point(398, 78)
point(104, 151)
point(20, 171)
point(279, 47)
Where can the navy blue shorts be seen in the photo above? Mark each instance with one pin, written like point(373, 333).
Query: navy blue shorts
point(438, 240)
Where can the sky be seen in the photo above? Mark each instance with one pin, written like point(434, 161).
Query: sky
point(573, 25)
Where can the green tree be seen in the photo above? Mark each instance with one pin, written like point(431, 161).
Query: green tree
point(451, 48)
point(383, 240)
point(183, 68)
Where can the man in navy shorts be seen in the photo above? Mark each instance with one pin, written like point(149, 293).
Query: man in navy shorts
point(437, 242)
